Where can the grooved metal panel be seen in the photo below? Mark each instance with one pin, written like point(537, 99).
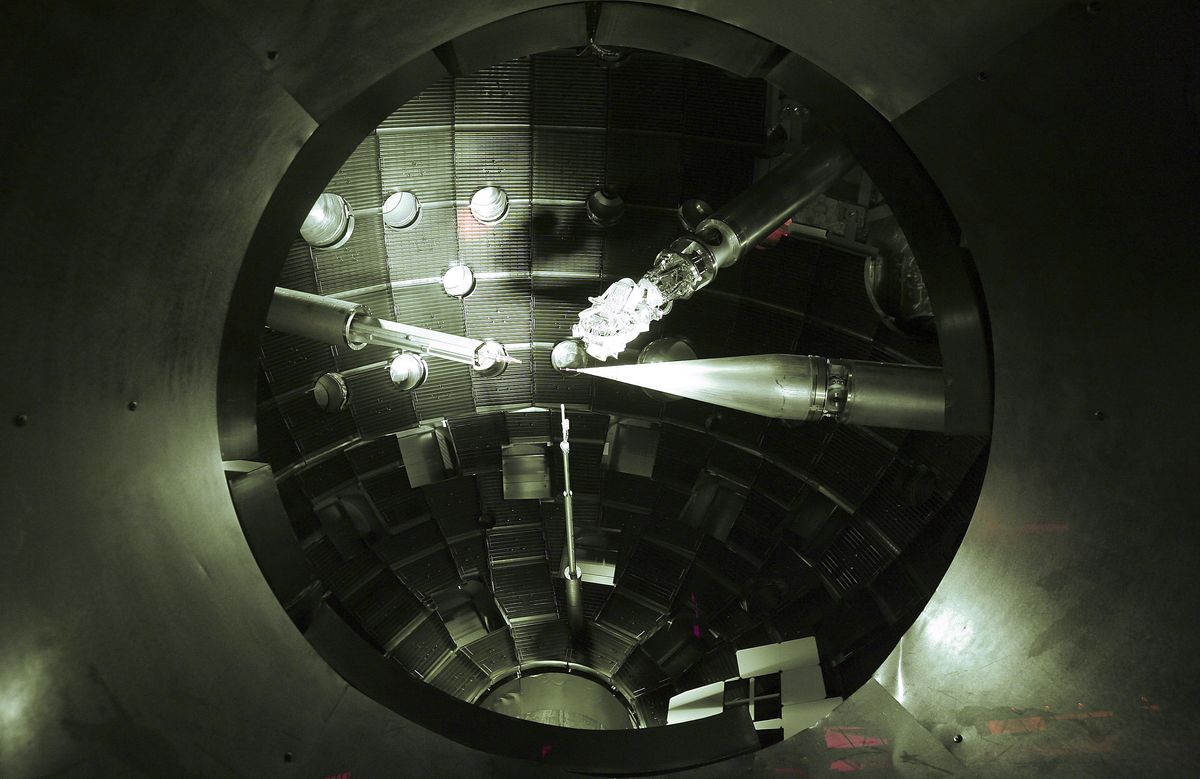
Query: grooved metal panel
point(646, 169)
point(432, 106)
point(769, 332)
point(524, 590)
point(447, 391)
point(681, 454)
point(312, 428)
point(627, 615)
point(378, 407)
point(554, 531)
point(916, 350)
point(291, 362)
point(551, 386)
point(431, 573)
point(421, 650)
point(840, 294)
point(778, 485)
point(628, 490)
point(395, 498)
point(732, 622)
point(499, 158)
point(784, 275)
point(459, 677)
point(454, 503)
point(853, 559)
point(425, 249)
point(514, 387)
point(646, 93)
point(477, 439)
point(542, 640)
point(421, 162)
point(707, 322)
point(654, 705)
point(603, 650)
point(384, 606)
point(358, 178)
point(564, 240)
point(586, 472)
point(594, 598)
point(640, 673)
point(531, 424)
point(631, 245)
point(298, 271)
point(568, 164)
point(737, 463)
point(654, 573)
point(344, 578)
point(499, 309)
point(761, 516)
point(429, 307)
point(409, 543)
point(706, 591)
point(950, 457)
point(470, 555)
point(330, 473)
point(887, 508)
point(516, 542)
point(499, 94)
point(373, 454)
point(556, 306)
point(742, 102)
point(714, 172)
point(672, 534)
point(498, 248)
point(569, 90)
point(717, 665)
point(797, 445)
point(275, 443)
point(362, 262)
point(829, 342)
point(494, 653)
point(851, 463)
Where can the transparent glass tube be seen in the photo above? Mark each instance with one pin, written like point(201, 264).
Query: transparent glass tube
point(480, 355)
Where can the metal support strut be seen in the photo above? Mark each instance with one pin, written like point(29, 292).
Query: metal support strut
point(572, 574)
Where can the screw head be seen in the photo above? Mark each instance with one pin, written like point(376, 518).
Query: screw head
point(20, 420)
point(982, 76)
point(287, 757)
point(958, 738)
point(1098, 416)
point(133, 405)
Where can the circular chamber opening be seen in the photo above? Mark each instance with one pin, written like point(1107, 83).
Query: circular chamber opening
point(713, 539)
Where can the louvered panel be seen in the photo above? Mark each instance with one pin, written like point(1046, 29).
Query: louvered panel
point(708, 323)
point(568, 164)
point(717, 665)
point(612, 397)
point(742, 101)
point(514, 387)
point(292, 363)
point(383, 605)
point(851, 463)
point(840, 294)
point(784, 276)
point(494, 653)
point(524, 591)
point(379, 303)
point(631, 245)
point(654, 705)
point(499, 94)
point(374, 454)
point(491, 492)
point(362, 262)
point(714, 172)
point(298, 271)
point(460, 678)
point(602, 650)
point(542, 641)
point(447, 391)
point(378, 407)
point(329, 474)
point(426, 249)
point(432, 573)
point(585, 426)
point(275, 443)
point(358, 178)
point(594, 598)
point(455, 505)
point(421, 162)
point(532, 424)
point(499, 158)
point(762, 516)
point(730, 623)
point(654, 573)
point(669, 504)
point(395, 498)
point(915, 350)
point(586, 472)
point(950, 457)
point(556, 306)
point(646, 93)
point(828, 342)
point(516, 541)
point(421, 650)
point(408, 544)
point(566, 241)
point(431, 107)
point(673, 534)
point(470, 555)
point(797, 445)
point(551, 386)
point(887, 508)
point(628, 615)
point(499, 309)
point(311, 427)
point(351, 575)
point(554, 531)
point(768, 331)
point(640, 673)
point(778, 485)
point(627, 490)
point(681, 454)
point(738, 464)
point(707, 588)
point(646, 169)
point(477, 440)
point(853, 559)
point(569, 90)
point(498, 248)
point(429, 307)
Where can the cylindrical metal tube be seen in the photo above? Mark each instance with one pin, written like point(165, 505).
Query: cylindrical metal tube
point(572, 571)
point(909, 397)
point(751, 216)
point(320, 318)
point(382, 332)
point(575, 606)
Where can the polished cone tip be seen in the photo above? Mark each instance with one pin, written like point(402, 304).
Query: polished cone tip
point(508, 359)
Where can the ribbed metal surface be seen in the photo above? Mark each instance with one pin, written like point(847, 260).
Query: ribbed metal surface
point(524, 590)
point(714, 173)
point(513, 388)
point(631, 245)
point(432, 106)
point(742, 102)
point(851, 463)
point(431, 573)
point(516, 542)
point(498, 248)
point(499, 94)
point(778, 485)
point(292, 363)
point(568, 163)
point(565, 241)
point(556, 307)
point(426, 249)
point(459, 677)
point(569, 90)
point(603, 649)
point(784, 275)
point(429, 307)
point(551, 387)
point(625, 490)
point(421, 650)
point(395, 499)
point(329, 474)
point(378, 407)
point(681, 454)
point(499, 158)
point(384, 606)
point(342, 577)
point(533, 424)
point(421, 162)
point(446, 393)
point(853, 559)
point(477, 440)
point(470, 555)
point(298, 271)
point(646, 169)
point(312, 428)
point(275, 443)
point(500, 309)
point(454, 504)
point(654, 574)
point(494, 653)
point(409, 543)
point(358, 179)
point(646, 93)
point(372, 455)
point(639, 673)
point(840, 294)
point(797, 445)
point(628, 616)
point(889, 511)
point(716, 665)
point(362, 262)
point(541, 641)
